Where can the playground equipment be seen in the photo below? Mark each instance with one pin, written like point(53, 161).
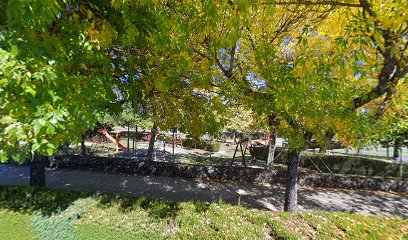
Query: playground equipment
point(243, 144)
point(116, 139)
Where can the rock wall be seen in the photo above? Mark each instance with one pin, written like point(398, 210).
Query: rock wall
point(221, 173)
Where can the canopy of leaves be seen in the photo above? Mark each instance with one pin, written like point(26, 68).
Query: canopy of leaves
point(54, 79)
point(64, 63)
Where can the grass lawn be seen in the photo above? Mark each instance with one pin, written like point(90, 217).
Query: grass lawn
point(27, 213)
point(15, 225)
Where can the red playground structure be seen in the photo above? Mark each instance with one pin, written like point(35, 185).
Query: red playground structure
point(116, 141)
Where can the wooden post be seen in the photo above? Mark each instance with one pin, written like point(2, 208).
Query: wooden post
point(117, 144)
point(235, 152)
point(242, 153)
point(164, 143)
point(133, 149)
point(128, 147)
point(137, 134)
point(174, 142)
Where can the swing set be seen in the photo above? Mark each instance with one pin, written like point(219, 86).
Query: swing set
point(243, 145)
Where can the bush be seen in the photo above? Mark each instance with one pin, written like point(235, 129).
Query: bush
point(169, 139)
point(199, 144)
point(336, 164)
point(352, 165)
point(212, 146)
point(261, 152)
point(189, 143)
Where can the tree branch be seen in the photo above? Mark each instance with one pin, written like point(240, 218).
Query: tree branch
point(232, 57)
point(226, 73)
point(317, 3)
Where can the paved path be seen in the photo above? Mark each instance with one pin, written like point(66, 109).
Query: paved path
point(250, 195)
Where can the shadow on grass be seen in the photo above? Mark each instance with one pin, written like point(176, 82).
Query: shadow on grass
point(49, 202)
point(33, 200)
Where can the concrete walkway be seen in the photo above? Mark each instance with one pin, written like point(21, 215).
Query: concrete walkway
point(250, 195)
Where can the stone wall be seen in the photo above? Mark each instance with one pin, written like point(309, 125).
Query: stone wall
point(221, 173)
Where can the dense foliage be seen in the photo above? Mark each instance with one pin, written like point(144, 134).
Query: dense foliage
point(312, 69)
point(55, 81)
point(200, 144)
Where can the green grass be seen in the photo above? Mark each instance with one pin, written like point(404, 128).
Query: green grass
point(15, 225)
point(27, 213)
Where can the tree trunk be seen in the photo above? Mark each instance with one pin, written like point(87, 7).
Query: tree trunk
point(397, 146)
point(272, 140)
point(83, 148)
point(291, 187)
point(151, 143)
point(37, 171)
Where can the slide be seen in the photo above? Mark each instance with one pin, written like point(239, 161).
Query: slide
point(262, 142)
point(112, 139)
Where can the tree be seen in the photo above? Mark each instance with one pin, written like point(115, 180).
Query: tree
point(239, 45)
point(248, 46)
point(391, 128)
point(130, 116)
point(182, 61)
point(55, 78)
point(156, 75)
point(242, 119)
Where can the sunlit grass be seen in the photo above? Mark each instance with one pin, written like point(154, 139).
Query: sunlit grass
point(15, 225)
point(27, 213)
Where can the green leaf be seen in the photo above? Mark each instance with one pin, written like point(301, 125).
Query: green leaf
point(3, 156)
point(50, 129)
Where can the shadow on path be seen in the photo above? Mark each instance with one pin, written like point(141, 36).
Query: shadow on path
point(250, 195)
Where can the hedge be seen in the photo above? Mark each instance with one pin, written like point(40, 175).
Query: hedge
point(353, 165)
point(207, 146)
point(338, 164)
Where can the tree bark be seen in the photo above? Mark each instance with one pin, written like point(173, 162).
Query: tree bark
point(37, 171)
point(272, 140)
point(397, 146)
point(291, 187)
point(151, 143)
point(83, 148)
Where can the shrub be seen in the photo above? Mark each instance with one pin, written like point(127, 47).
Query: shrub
point(336, 164)
point(261, 152)
point(199, 144)
point(352, 165)
point(169, 139)
point(189, 143)
point(212, 146)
